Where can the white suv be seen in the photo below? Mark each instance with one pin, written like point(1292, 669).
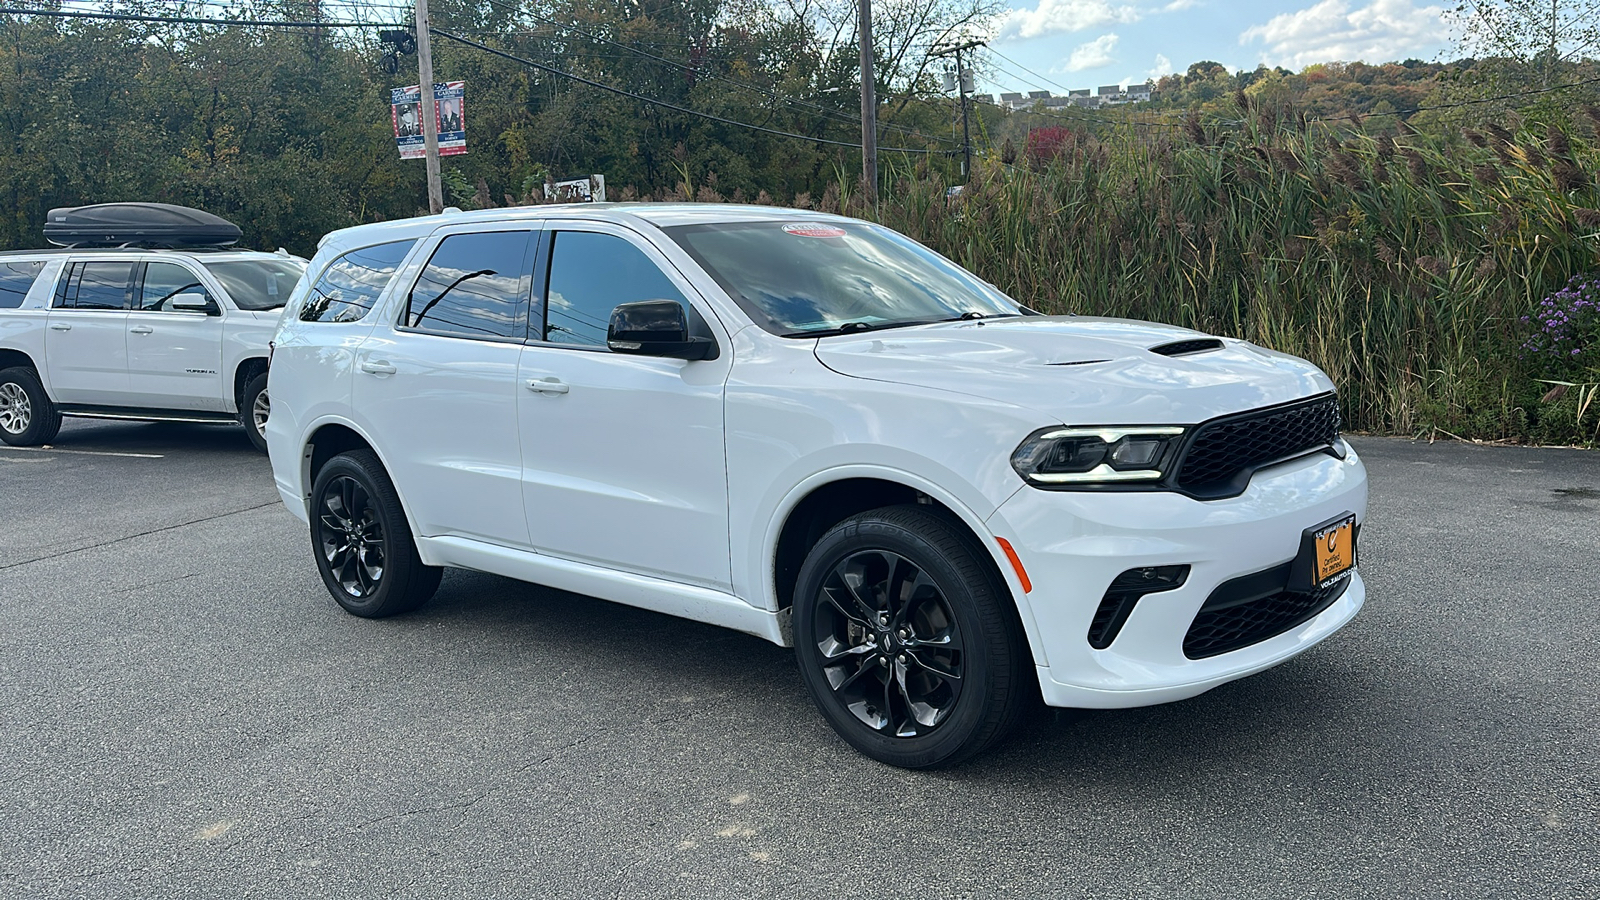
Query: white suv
point(175, 335)
point(815, 430)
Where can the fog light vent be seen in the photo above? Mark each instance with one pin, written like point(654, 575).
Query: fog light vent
point(1125, 591)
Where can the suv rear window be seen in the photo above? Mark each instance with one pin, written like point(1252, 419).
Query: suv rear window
point(15, 279)
point(351, 284)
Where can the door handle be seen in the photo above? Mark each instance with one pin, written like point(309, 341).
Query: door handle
point(378, 367)
point(60, 326)
point(548, 385)
point(140, 329)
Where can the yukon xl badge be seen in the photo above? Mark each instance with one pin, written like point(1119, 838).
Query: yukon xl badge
point(201, 371)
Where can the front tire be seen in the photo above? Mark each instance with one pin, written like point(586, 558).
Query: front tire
point(254, 407)
point(27, 416)
point(362, 540)
point(908, 641)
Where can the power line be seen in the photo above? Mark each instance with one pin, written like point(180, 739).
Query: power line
point(189, 20)
point(661, 103)
point(1026, 69)
point(832, 113)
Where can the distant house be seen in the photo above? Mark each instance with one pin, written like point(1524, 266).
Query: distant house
point(1011, 98)
point(1140, 91)
point(1038, 95)
point(1081, 92)
point(983, 98)
point(1110, 90)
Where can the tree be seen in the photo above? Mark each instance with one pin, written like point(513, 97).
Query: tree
point(1540, 34)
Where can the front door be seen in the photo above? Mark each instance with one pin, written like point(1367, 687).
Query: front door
point(623, 459)
point(175, 355)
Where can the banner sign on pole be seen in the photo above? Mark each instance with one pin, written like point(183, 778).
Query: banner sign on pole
point(448, 103)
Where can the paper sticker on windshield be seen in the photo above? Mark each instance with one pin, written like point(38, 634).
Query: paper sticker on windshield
point(814, 229)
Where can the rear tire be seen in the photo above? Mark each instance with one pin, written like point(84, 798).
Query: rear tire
point(907, 640)
point(254, 406)
point(27, 417)
point(362, 540)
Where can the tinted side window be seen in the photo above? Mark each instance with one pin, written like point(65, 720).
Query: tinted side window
point(590, 274)
point(98, 285)
point(15, 279)
point(351, 284)
point(162, 282)
point(476, 285)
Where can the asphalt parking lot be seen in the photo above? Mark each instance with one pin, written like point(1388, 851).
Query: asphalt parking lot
point(185, 713)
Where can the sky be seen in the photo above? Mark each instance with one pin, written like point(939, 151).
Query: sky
point(1088, 43)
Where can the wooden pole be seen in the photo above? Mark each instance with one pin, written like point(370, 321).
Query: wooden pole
point(869, 109)
point(430, 112)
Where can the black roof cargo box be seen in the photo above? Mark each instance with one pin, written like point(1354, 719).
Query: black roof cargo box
point(146, 224)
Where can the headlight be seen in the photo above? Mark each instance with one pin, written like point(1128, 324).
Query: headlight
point(1111, 454)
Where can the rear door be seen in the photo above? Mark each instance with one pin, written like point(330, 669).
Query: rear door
point(86, 342)
point(437, 385)
point(174, 355)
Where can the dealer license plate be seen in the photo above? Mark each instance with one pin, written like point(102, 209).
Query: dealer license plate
point(1336, 550)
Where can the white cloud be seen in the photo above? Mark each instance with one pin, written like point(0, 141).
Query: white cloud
point(1179, 5)
point(1063, 16)
point(1093, 55)
point(1162, 67)
point(1331, 31)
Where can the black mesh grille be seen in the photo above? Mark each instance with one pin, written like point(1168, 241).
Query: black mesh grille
point(1178, 348)
point(1224, 452)
point(1224, 628)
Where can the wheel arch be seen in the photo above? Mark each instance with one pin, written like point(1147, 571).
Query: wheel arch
point(248, 368)
point(825, 500)
point(331, 437)
point(14, 358)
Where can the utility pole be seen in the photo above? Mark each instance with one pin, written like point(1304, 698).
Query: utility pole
point(430, 112)
point(869, 107)
point(963, 88)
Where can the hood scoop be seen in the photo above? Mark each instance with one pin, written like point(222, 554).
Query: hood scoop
point(1078, 362)
point(1185, 348)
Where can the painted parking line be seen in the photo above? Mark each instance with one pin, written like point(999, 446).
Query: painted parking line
point(85, 452)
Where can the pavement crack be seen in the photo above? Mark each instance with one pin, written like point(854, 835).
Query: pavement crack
point(141, 534)
point(424, 811)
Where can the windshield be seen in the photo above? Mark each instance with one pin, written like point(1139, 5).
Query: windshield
point(258, 284)
point(805, 279)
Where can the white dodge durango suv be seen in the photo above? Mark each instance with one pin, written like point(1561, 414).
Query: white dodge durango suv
point(815, 430)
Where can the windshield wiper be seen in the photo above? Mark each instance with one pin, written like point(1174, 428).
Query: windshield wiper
point(857, 327)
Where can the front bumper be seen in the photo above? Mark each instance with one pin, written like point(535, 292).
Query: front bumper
point(1074, 544)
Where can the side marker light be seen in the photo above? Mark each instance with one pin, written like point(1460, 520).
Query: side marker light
point(1016, 563)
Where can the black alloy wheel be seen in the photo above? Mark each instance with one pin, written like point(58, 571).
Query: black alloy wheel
point(27, 417)
point(891, 649)
point(363, 542)
point(907, 639)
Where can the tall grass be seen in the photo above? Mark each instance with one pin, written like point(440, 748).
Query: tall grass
point(1400, 265)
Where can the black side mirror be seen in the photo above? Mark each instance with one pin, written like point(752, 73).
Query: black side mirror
point(656, 328)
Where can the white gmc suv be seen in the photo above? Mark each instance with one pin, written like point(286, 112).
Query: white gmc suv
point(815, 430)
point(175, 335)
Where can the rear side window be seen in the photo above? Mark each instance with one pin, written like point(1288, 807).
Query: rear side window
point(15, 279)
point(476, 285)
point(351, 284)
point(96, 285)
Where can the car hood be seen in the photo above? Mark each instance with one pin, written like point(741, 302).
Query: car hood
point(1080, 370)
